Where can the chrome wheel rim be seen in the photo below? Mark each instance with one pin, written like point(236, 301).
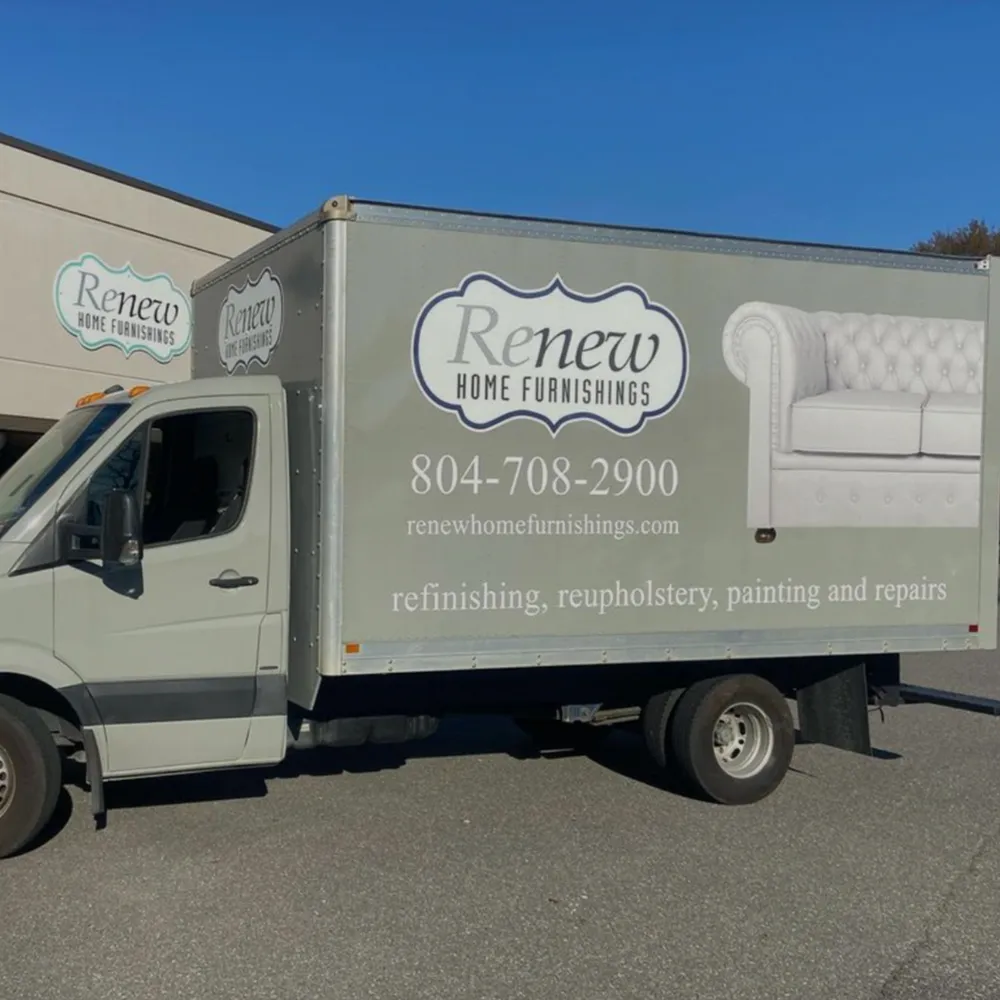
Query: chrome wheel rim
point(6, 782)
point(743, 740)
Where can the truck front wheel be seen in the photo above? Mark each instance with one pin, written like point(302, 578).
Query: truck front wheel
point(30, 775)
point(733, 738)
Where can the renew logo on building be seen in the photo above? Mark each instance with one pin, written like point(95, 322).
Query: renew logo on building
point(102, 306)
point(95, 276)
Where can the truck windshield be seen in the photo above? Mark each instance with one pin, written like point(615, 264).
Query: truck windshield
point(46, 460)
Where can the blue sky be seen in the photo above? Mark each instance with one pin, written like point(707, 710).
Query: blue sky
point(849, 121)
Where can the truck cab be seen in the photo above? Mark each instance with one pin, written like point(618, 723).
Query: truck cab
point(144, 590)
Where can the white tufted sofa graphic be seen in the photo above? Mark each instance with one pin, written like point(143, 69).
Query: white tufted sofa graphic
point(858, 420)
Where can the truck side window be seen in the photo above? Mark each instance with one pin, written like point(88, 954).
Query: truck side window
point(120, 472)
point(197, 474)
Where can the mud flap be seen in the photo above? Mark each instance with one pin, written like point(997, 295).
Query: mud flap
point(95, 778)
point(833, 710)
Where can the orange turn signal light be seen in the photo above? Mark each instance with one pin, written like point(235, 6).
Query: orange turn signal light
point(93, 397)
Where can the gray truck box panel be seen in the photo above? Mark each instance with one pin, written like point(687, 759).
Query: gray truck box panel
point(753, 389)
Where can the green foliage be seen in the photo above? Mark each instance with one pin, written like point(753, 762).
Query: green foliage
point(976, 239)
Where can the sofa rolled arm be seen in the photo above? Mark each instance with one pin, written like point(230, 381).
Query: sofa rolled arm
point(779, 353)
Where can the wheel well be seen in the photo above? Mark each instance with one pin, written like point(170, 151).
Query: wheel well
point(57, 713)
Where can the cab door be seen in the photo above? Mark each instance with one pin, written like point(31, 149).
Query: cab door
point(169, 647)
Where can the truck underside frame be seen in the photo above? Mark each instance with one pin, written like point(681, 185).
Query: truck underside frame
point(834, 707)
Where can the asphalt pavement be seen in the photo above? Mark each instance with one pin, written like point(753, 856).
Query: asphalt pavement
point(471, 867)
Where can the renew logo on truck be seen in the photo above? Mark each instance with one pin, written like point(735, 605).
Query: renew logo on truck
point(250, 321)
point(490, 352)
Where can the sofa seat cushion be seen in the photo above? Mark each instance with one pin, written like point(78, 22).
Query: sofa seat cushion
point(952, 424)
point(858, 422)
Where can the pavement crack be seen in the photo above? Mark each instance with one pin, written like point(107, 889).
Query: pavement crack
point(936, 916)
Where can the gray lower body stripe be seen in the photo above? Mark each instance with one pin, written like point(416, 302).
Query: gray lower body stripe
point(189, 699)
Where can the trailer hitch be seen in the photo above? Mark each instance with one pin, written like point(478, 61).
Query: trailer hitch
point(915, 694)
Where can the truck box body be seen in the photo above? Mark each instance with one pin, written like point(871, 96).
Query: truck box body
point(517, 442)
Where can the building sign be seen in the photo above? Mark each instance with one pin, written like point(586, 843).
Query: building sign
point(105, 306)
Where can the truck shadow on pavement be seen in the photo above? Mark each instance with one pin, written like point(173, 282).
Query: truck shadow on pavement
point(619, 751)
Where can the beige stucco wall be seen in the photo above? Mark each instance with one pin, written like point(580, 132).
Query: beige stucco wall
point(52, 214)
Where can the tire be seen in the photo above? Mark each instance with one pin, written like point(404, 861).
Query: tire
point(654, 722)
point(30, 775)
point(759, 738)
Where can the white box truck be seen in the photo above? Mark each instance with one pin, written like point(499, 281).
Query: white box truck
point(434, 462)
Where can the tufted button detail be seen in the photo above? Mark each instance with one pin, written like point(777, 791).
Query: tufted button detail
point(901, 353)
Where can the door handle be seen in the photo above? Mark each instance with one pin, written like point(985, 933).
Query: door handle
point(232, 582)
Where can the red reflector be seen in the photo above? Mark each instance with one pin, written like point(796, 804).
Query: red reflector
point(973, 628)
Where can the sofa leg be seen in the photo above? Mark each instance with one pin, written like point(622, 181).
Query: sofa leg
point(765, 535)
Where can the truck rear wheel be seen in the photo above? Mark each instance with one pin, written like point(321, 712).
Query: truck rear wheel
point(30, 775)
point(733, 738)
point(654, 721)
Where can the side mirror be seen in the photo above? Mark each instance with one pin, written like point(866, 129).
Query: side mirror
point(121, 530)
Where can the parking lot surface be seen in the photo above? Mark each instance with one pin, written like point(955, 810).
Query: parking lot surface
point(472, 867)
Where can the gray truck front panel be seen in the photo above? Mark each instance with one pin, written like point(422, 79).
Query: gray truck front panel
point(703, 586)
point(291, 265)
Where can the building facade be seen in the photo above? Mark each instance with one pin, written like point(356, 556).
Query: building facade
point(95, 276)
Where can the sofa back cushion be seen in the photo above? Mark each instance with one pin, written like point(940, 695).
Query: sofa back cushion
point(902, 353)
